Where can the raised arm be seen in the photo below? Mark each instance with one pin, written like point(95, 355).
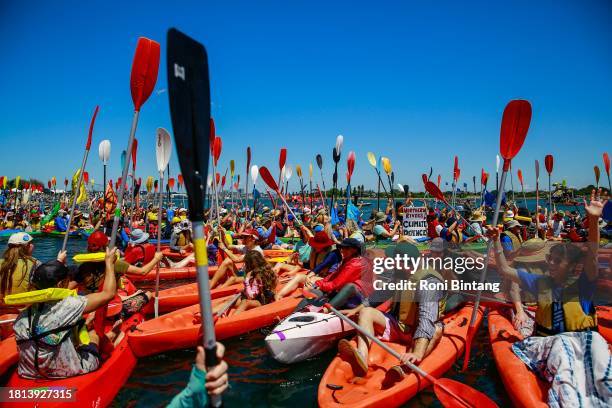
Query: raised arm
point(593, 209)
point(500, 259)
point(109, 290)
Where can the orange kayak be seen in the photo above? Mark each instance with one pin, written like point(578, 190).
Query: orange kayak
point(367, 392)
point(186, 295)
point(525, 388)
point(180, 329)
point(188, 272)
point(8, 354)
point(268, 253)
point(96, 389)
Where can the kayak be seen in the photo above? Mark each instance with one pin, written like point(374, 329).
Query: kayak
point(95, 389)
point(188, 272)
point(186, 295)
point(59, 234)
point(338, 386)
point(306, 334)
point(268, 253)
point(525, 388)
point(8, 354)
point(6, 234)
point(180, 329)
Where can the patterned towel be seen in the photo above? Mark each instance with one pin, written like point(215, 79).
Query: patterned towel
point(578, 366)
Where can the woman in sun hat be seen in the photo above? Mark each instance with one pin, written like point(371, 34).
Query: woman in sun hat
point(379, 231)
point(17, 264)
point(477, 220)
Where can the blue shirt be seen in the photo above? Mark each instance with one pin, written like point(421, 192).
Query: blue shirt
point(61, 224)
point(330, 260)
point(506, 243)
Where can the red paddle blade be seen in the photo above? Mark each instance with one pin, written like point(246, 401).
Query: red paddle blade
point(217, 146)
point(180, 179)
point(171, 183)
point(350, 163)
point(439, 180)
point(91, 127)
point(248, 158)
point(456, 169)
point(86, 177)
point(596, 170)
point(549, 163)
point(482, 177)
point(460, 395)
point(144, 71)
point(267, 178)
point(212, 135)
point(217, 178)
point(134, 152)
point(606, 160)
point(514, 127)
point(434, 191)
point(520, 176)
point(282, 158)
point(424, 178)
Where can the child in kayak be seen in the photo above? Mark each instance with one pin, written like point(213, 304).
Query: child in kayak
point(50, 334)
point(17, 264)
point(259, 283)
point(414, 321)
point(228, 267)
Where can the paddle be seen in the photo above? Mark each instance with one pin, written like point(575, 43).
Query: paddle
point(189, 94)
point(449, 392)
point(282, 159)
point(104, 151)
point(519, 173)
point(133, 196)
point(606, 160)
point(350, 168)
point(549, 163)
point(163, 149)
point(514, 127)
point(216, 151)
point(537, 173)
point(596, 170)
point(386, 163)
point(310, 181)
point(298, 170)
point(436, 193)
point(336, 154)
point(319, 159)
point(142, 82)
point(81, 175)
point(269, 180)
point(483, 183)
point(246, 190)
point(455, 178)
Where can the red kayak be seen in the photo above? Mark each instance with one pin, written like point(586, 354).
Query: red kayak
point(525, 387)
point(96, 389)
point(180, 329)
point(339, 387)
point(8, 354)
point(174, 273)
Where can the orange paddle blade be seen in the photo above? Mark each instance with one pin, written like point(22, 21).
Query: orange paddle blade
point(548, 163)
point(606, 160)
point(144, 71)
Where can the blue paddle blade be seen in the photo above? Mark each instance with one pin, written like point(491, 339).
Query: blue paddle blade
point(123, 156)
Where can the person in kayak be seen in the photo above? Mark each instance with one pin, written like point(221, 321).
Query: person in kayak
point(565, 302)
point(379, 232)
point(414, 321)
point(50, 335)
point(180, 240)
point(17, 265)
point(61, 221)
point(228, 267)
point(259, 283)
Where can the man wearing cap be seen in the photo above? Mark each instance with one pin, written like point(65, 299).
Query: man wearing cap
point(228, 267)
point(414, 320)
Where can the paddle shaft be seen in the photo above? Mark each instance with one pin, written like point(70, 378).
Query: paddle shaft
point(229, 304)
point(74, 199)
point(483, 275)
point(210, 341)
point(121, 191)
point(159, 217)
point(104, 189)
point(395, 354)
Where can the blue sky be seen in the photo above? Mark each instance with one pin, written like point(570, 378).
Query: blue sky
point(416, 81)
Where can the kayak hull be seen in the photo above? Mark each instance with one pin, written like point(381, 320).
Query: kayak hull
point(8, 354)
point(186, 295)
point(303, 335)
point(367, 392)
point(95, 389)
point(181, 329)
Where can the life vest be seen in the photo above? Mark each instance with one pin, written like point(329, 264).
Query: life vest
point(574, 317)
point(406, 308)
point(181, 240)
point(516, 241)
point(431, 229)
point(21, 275)
point(143, 253)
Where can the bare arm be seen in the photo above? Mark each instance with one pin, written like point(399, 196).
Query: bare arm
point(143, 270)
point(500, 259)
point(109, 290)
point(594, 209)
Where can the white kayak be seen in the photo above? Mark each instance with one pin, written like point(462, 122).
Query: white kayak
point(303, 335)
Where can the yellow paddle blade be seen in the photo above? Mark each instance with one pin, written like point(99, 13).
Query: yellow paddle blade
point(149, 183)
point(17, 180)
point(232, 164)
point(298, 170)
point(372, 159)
point(4, 183)
point(386, 163)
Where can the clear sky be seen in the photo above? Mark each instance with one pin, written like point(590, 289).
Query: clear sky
point(417, 81)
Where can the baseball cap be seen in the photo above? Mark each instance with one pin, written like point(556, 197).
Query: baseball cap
point(20, 238)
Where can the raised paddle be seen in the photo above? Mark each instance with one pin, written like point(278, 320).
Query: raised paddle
point(163, 149)
point(606, 160)
point(310, 189)
point(519, 174)
point(216, 152)
point(436, 193)
point(537, 173)
point(386, 164)
point(282, 159)
point(451, 393)
point(269, 180)
point(319, 160)
point(246, 180)
point(142, 82)
point(549, 164)
point(514, 127)
point(104, 151)
point(596, 170)
point(455, 178)
point(189, 94)
point(81, 175)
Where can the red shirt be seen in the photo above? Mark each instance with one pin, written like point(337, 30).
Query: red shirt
point(142, 253)
point(356, 270)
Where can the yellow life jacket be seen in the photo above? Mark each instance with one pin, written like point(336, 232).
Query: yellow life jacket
point(405, 306)
point(574, 317)
point(48, 295)
point(181, 241)
point(21, 275)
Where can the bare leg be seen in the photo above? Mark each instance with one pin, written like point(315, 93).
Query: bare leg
point(372, 320)
point(246, 305)
point(232, 280)
point(226, 267)
point(290, 286)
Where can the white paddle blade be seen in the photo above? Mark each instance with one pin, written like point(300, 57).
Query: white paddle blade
point(497, 162)
point(400, 187)
point(339, 143)
point(104, 151)
point(163, 148)
point(209, 181)
point(254, 173)
point(288, 172)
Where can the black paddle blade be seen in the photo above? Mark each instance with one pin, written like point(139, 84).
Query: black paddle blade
point(189, 94)
point(336, 155)
point(393, 178)
point(320, 161)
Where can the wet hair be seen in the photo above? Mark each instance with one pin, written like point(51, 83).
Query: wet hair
point(11, 258)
